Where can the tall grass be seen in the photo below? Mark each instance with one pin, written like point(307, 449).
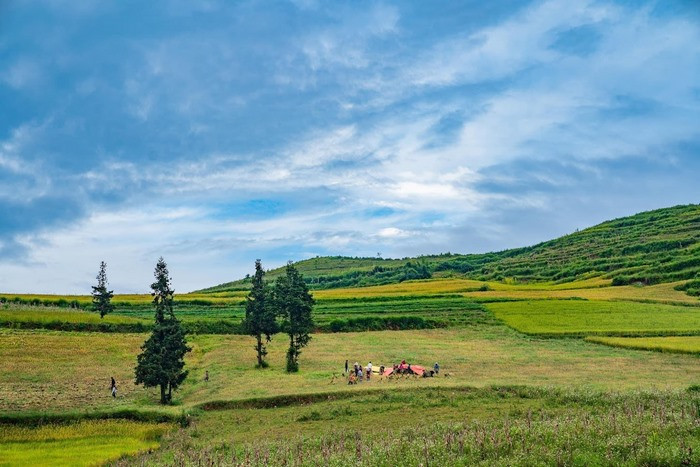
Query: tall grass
point(563, 428)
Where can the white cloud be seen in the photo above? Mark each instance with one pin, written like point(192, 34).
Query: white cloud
point(345, 45)
point(502, 50)
point(24, 73)
point(29, 181)
point(393, 232)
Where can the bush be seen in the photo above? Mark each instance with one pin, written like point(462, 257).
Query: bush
point(691, 288)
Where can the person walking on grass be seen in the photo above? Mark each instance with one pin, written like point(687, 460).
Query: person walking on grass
point(206, 376)
point(114, 388)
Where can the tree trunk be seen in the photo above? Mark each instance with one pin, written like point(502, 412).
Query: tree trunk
point(162, 394)
point(170, 393)
point(259, 348)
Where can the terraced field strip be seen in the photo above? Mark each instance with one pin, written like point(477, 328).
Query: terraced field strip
point(452, 310)
point(582, 318)
point(452, 286)
point(592, 289)
point(82, 443)
point(123, 299)
point(25, 314)
point(674, 344)
point(660, 293)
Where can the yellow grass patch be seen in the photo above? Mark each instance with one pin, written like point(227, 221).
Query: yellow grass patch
point(677, 344)
point(82, 443)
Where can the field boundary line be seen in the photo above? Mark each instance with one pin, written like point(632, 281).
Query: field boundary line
point(33, 419)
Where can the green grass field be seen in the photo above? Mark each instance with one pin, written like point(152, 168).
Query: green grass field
point(580, 318)
point(592, 289)
point(81, 364)
point(68, 373)
point(447, 426)
point(83, 443)
point(676, 344)
point(443, 310)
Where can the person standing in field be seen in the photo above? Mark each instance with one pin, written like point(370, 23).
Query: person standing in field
point(436, 368)
point(114, 388)
point(346, 367)
point(206, 376)
point(369, 370)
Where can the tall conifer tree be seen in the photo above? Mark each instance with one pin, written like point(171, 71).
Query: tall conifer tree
point(294, 304)
point(260, 317)
point(161, 362)
point(101, 297)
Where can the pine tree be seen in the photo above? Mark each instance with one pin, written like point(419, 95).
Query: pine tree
point(161, 362)
point(260, 317)
point(294, 304)
point(101, 297)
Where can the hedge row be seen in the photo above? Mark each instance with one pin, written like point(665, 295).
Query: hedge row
point(191, 327)
point(65, 303)
point(34, 419)
point(60, 302)
point(391, 323)
point(376, 323)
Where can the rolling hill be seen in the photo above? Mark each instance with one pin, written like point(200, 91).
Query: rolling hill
point(648, 248)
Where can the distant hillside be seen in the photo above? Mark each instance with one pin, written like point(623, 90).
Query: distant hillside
point(648, 248)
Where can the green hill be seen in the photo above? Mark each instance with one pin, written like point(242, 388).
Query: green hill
point(650, 247)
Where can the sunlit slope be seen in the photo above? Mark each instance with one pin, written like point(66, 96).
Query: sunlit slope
point(651, 247)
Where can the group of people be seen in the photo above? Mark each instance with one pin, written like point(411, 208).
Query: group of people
point(357, 373)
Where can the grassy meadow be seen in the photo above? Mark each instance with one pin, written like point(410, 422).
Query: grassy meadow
point(82, 363)
point(447, 426)
point(493, 380)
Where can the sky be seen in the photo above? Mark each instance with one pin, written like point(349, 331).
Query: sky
point(213, 133)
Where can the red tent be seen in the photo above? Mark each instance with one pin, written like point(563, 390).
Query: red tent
point(406, 368)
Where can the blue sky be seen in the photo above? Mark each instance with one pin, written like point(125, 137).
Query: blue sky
point(214, 133)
